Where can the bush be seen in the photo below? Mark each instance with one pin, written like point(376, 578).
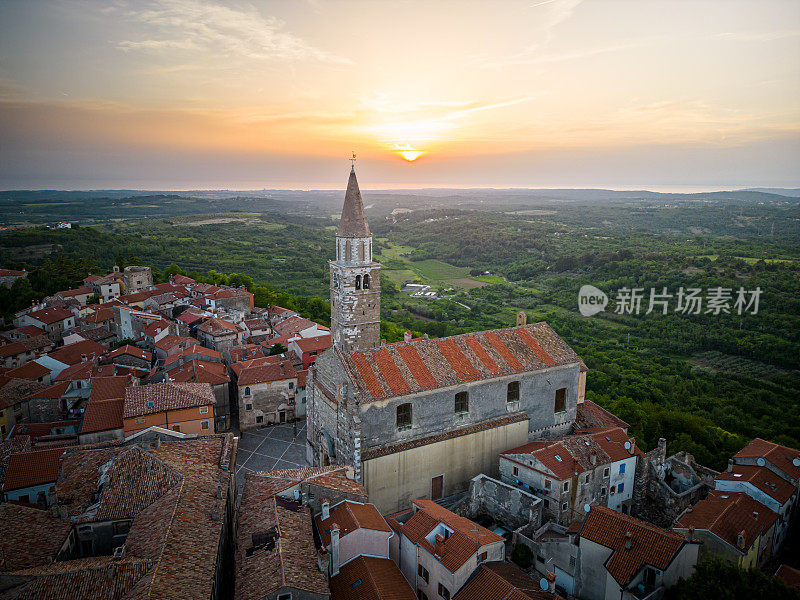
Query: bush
point(522, 556)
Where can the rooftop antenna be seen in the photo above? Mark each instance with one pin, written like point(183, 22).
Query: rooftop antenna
point(353, 160)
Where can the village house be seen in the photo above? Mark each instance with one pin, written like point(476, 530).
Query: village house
point(731, 525)
point(183, 407)
point(9, 276)
point(576, 471)
point(219, 334)
point(21, 333)
point(101, 335)
point(257, 328)
point(505, 581)
point(30, 475)
point(437, 550)
point(107, 287)
point(81, 294)
point(350, 529)
point(782, 460)
point(136, 278)
point(172, 344)
point(103, 416)
point(214, 374)
point(230, 299)
point(372, 578)
point(54, 321)
point(309, 348)
point(67, 356)
point(18, 353)
point(131, 356)
point(266, 393)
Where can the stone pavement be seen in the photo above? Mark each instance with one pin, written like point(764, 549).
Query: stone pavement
point(270, 448)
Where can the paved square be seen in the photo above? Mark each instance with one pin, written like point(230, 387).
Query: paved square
point(270, 448)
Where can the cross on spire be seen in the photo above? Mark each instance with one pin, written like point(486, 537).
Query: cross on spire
point(353, 160)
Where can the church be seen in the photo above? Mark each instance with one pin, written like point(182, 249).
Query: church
point(420, 418)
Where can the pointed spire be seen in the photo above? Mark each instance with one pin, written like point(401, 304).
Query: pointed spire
point(353, 222)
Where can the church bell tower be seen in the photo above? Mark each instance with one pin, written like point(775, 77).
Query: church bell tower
point(355, 278)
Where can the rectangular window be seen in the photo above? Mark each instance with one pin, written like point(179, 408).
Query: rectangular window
point(139, 420)
point(621, 488)
point(444, 592)
point(516, 471)
point(260, 419)
point(547, 484)
point(423, 573)
point(546, 503)
point(24, 498)
point(571, 561)
point(291, 385)
point(539, 559)
point(462, 403)
point(285, 597)
point(203, 424)
point(422, 595)
point(565, 506)
point(512, 393)
point(566, 486)
point(603, 491)
point(483, 556)
point(404, 416)
point(606, 472)
point(203, 410)
point(587, 478)
point(121, 527)
point(613, 488)
point(561, 400)
point(248, 406)
point(622, 468)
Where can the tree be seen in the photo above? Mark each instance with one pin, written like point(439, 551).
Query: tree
point(716, 579)
point(276, 349)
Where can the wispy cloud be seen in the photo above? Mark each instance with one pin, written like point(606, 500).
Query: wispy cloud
point(191, 25)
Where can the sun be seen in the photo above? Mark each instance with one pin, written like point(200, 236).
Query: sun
point(410, 155)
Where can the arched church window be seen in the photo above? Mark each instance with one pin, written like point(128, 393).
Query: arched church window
point(358, 282)
point(366, 282)
point(361, 250)
point(348, 250)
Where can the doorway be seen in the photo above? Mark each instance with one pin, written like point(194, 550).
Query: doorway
point(437, 487)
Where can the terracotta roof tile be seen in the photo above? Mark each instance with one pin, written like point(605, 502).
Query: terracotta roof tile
point(591, 415)
point(350, 516)
point(109, 388)
point(789, 575)
point(503, 581)
point(782, 457)
point(128, 350)
point(103, 415)
point(772, 485)
point(650, 545)
point(159, 397)
point(31, 537)
point(267, 372)
point(461, 366)
point(416, 366)
point(38, 467)
point(370, 578)
point(49, 316)
point(74, 353)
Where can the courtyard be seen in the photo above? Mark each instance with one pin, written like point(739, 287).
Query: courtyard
point(271, 448)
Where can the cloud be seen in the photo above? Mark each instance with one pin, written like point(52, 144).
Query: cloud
point(191, 25)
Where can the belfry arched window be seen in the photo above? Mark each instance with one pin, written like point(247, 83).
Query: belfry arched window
point(358, 282)
point(366, 282)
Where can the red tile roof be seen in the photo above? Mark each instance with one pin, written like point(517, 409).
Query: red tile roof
point(109, 388)
point(650, 545)
point(370, 578)
point(726, 515)
point(73, 353)
point(291, 561)
point(189, 317)
point(467, 537)
point(27, 469)
point(166, 396)
point(201, 371)
point(129, 350)
point(427, 364)
point(31, 537)
point(12, 273)
point(245, 352)
point(103, 415)
point(771, 484)
point(170, 341)
point(216, 327)
point(31, 370)
point(81, 291)
point(49, 316)
point(591, 415)
point(789, 575)
point(267, 372)
point(503, 581)
point(782, 457)
point(332, 477)
point(54, 391)
point(193, 350)
point(350, 516)
point(314, 344)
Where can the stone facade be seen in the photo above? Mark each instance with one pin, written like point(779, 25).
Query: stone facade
point(137, 278)
point(268, 402)
point(506, 504)
point(355, 279)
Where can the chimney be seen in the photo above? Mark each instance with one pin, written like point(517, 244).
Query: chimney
point(326, 508)
point(350, 473)
point(334, 549)
point(730, 465)
point(691, 533)
point(740, 540)
point(282, 369)
point(575, 466)
point(628, 537)
point(755, 515)
point(407, 336)
point(439, 548)
point(633, 445)
point(551, 582)
point(83, 358)
point(662, 450)
point(593, 457)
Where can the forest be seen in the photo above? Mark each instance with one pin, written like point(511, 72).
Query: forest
point(707, 382)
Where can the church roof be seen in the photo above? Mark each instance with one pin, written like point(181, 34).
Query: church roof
point(353, 223)
point(420, 365)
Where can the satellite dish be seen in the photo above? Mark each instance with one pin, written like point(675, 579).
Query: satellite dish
point(587, 507)
point(760, 462)
point(543, 583)
point(796, 462)
point(627, 445)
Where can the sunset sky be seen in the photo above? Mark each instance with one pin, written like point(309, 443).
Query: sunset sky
point(182, 94)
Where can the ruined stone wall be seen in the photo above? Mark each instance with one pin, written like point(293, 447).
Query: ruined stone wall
point(505, 503)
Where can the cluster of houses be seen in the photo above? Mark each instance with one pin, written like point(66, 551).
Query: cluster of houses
point(466, 468)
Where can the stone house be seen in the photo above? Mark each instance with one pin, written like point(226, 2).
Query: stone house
point(219, 334)
point(574, 472)
point(136, 278)
point(54, 321)
point(266, 393)
point(24, 350)
point(9, 276)
point(230, 299)
point(108, 287)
